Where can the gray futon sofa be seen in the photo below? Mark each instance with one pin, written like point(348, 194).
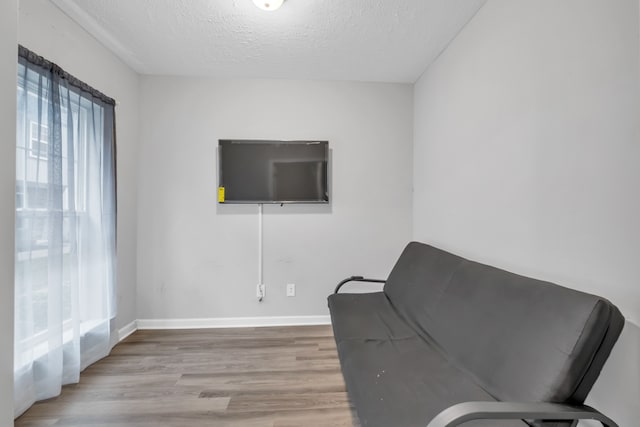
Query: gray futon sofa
point(450, 340)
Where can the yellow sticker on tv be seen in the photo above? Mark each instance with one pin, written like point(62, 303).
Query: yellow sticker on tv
point(220, 194)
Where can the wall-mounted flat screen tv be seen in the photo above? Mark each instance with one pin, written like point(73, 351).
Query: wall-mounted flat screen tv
point(261, 171)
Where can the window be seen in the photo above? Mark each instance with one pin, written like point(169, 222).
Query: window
point(65, 228)
point(39, 141)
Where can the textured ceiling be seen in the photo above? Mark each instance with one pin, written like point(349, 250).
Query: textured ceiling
point(362, 40)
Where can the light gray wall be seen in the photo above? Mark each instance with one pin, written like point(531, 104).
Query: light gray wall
point(8, 70)
point(200, 260)
point(47, 31)
point(527, 154)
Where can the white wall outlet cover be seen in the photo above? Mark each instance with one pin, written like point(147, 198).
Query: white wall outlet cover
point(291, 289)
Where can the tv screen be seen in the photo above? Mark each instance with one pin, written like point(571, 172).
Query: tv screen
point(273, 171)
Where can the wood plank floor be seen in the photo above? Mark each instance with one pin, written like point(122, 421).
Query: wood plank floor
point(246, 377)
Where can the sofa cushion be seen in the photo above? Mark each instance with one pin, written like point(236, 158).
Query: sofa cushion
point(521, 339)
point(419, 278)
point(394, 377)
point(366, 316)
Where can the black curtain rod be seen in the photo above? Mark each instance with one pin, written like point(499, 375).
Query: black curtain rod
point(39, 61)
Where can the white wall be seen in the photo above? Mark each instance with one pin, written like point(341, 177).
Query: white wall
point(45, 30)
point(8, 70)
point(200, 260)
point(527, 154)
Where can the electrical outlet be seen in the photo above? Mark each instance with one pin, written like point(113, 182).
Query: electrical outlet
point(261, 291)
point(291, 289)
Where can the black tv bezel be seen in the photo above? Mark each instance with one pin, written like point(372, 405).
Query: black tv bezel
point(275, 141)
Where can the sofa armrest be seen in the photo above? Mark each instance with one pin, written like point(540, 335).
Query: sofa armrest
point(467, 411)
point(356, 279)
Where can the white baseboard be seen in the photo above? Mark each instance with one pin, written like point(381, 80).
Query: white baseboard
point(232, 322)
point(127, 330)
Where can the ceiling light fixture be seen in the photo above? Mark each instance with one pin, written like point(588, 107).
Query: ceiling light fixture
point(269, 5)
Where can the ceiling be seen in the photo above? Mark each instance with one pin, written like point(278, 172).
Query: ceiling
point(358, 40)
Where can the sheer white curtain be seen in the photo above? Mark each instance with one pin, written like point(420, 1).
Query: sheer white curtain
point(65, 229)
